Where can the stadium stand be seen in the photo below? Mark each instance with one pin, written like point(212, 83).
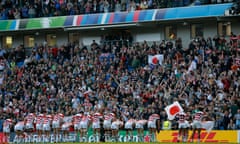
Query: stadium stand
point(119, 78)
point(48, 79)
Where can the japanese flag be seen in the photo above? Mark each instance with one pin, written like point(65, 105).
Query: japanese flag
point(173, 109)
point(156, 59)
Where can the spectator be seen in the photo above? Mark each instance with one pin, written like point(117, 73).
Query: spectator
point(237, 119)
point(226, 120)
point(16, 13)
point(4, 14)
point(24, 11)
point(31, 12)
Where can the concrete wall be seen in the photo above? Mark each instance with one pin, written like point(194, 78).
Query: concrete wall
point(139, 34)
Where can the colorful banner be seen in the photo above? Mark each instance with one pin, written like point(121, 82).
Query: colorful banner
point(53, 22)
point(116, 18)
point(215, 136)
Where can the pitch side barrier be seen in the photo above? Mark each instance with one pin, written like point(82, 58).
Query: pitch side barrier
point(215, 136)
point(72, 137)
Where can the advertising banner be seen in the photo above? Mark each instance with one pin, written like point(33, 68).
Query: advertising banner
point(72, 137)
point(115, 18)
point(215, 136)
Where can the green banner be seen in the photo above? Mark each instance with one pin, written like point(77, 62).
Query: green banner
point(7, 25)
point(38, 23)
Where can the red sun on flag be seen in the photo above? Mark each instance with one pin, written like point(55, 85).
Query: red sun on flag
point(174, 109)
point(155, 60)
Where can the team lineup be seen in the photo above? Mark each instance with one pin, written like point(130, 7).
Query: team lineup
point(105, 126)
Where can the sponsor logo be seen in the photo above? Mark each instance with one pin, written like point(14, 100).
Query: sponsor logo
point(215, 136)
point(204, 137)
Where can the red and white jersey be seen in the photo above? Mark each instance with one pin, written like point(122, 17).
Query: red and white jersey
point(39, 119)
point(61, 116)
point(198, 116)
point(86, 118)
point(181, 117)
point(131, 121)
point(109, 117)
point(7, 123)
point(48, 119)
point(118, 122)
point(58, 117)
point(96, 117)
point(30, 118)
point(77, 118)
point(143, 121)
point(154, 117)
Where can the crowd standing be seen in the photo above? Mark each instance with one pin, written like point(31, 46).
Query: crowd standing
point(20, 9)
point(117, 78)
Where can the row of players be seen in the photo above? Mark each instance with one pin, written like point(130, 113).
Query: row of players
point(45, 123)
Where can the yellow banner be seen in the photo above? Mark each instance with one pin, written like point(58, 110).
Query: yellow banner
point(216, 136)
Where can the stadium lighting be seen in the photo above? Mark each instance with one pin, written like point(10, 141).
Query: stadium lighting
point(100, 26)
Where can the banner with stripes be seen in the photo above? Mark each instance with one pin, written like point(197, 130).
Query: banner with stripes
point(115, 18)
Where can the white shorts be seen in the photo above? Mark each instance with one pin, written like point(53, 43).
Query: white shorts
point(83, 125)
point(114, 126)
point(65, 127)
point(96, 125)
point(128, 125)
point(183, 125)
point(39, 127)
point(6, 129)
point(29, 126)
point(139, 126)
point(18, 127)
point(107, 124)
point(55, 124)
point(46, 127)
point(76, 126)
point(151, 124)
point(196, 124)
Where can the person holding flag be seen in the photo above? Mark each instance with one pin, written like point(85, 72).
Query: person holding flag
point(173, 109)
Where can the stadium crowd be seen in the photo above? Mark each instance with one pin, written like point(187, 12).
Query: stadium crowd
point(16, 9)
point(119, 79)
